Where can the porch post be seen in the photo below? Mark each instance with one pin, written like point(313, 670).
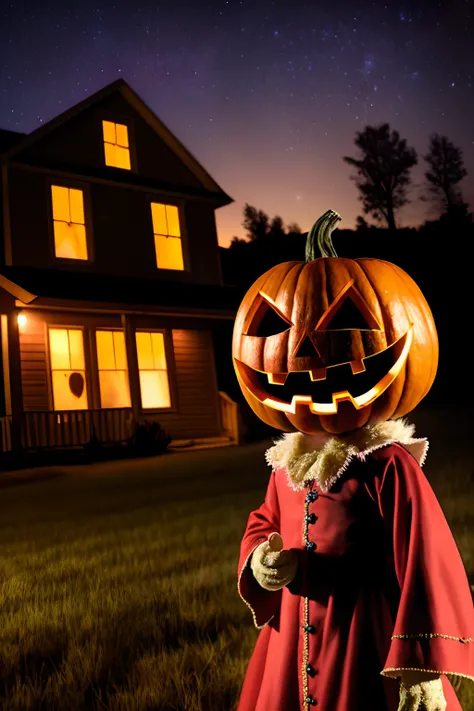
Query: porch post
point(12, 375)
point(132, 362)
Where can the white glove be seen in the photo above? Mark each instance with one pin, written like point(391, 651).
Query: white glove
point(421, 692)
point(273, 567)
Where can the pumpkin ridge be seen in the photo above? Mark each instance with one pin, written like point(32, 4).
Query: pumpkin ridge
point(427, 318)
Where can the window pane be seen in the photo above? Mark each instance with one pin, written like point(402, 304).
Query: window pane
point(109, 149)
point(144, 351)
point(173, 220)
point(76, 349)
point(66, 391)
point(122, 156)
point(63, 240)
point(159, 358)
point(154, 389)
point(122, 134)
point(158, 214)
point(59, 349)
point(114, 390)
point(120, 351)
point(60, 199)
point(80, 241)
point(169, 254)
point(108, 128)
point(76, 202)
point(105, 350)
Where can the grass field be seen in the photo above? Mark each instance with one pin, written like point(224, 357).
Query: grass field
point(118, 581)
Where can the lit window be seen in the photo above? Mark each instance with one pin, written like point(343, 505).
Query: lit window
point(68, 371)
point(168, 248)
point(154, 385)
point(116, 146)
point(113, 369)
point(69, 224)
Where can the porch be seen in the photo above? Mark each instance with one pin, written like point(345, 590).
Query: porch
point(48, 429)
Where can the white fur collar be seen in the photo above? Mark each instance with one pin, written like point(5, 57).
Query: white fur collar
point(325, 457)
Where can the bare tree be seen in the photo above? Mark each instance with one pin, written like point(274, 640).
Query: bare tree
point(383, 171)
point(446, 170)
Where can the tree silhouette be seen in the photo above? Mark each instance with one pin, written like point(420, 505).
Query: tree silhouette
point(293, 228)
point(383, 171)
point(277, 229)
point(255, 223)
point(446, 170)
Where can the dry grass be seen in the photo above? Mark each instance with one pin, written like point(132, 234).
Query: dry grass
point(118, 581)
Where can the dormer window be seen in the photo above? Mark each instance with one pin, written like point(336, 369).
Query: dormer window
point(116, 145)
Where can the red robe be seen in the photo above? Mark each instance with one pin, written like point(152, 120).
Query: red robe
point(384, 589)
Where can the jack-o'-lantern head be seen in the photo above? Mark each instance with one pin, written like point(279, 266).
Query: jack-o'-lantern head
point(331, 344)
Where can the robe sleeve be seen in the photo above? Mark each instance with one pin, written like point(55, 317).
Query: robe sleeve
point(263, 521)
point(434, 626)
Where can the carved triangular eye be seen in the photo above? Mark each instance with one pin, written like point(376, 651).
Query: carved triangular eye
point(348, 312)
point(348, 317)
point(266, 321)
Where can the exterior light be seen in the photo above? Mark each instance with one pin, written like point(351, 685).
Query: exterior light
point(22, 320)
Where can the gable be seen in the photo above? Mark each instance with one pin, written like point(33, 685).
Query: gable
point(73, 142)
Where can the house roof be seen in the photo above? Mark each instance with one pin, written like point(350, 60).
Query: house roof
point(37, 286)
point(9, 139)
point(120, 86)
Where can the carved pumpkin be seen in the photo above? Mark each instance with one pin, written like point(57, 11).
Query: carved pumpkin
point(331, 344)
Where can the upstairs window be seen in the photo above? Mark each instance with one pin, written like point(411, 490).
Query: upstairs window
point(116, 145)
point(167, 232)
point(70, 241)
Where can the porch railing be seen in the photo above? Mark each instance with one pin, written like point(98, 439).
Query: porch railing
point(6, 433)
point(230, 416)
point(70, 428)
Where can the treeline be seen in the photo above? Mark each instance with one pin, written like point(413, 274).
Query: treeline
point(438, 255)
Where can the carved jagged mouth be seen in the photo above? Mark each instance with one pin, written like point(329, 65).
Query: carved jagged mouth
point(367, 380)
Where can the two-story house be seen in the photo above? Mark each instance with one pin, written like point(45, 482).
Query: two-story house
point(110, 282)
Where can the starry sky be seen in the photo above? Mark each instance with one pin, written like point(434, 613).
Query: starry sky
point(267, 94)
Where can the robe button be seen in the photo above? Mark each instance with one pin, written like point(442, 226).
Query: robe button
point(311, 518)
point(311, 701)
point(311, 546)
point(310, 628)
point(311, 496)
point(310, 670)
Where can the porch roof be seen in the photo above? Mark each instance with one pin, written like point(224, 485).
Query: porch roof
point(40, 286)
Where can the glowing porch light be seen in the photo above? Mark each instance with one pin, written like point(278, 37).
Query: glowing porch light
point(22, 320)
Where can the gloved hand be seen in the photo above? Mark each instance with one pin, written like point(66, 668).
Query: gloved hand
point(421, 691)
point(273, 567)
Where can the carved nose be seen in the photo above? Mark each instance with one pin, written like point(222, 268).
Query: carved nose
point(306, 348)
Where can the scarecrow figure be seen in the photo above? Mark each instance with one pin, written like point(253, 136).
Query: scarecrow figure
point(349, 567)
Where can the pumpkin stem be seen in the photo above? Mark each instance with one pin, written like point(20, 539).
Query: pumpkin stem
point(321, 231)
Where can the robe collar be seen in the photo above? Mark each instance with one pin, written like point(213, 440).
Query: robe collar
point(325, 457)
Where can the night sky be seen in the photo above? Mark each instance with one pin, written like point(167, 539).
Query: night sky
point(266, 94)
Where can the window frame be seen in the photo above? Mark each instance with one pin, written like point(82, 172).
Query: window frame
point(95, 364)
point(170, 368)
point(127, 121)
point(87, 364)
point(180, 204)
point(63, 182)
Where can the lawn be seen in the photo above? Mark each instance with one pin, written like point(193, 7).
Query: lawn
point(118, 580)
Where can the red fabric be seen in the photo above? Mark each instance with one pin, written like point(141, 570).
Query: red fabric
point(386, 563)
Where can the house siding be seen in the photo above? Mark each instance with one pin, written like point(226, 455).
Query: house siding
point(33, 363)
point(192, 372)
point(120, 230)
